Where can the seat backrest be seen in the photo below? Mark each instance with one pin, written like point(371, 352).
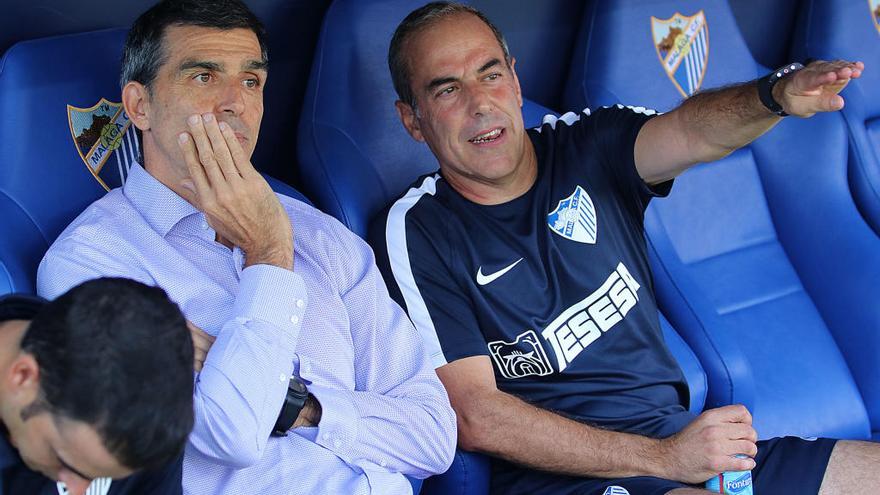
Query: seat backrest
point(723, 272)
point(830, 30)
point(65, 137)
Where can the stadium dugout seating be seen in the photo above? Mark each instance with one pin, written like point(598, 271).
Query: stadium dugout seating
point(830, 30)
point(748, 253)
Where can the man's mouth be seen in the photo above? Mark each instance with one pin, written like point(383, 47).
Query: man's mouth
point(488, 136)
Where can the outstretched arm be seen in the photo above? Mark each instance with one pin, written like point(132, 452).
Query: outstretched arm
point(710, 125)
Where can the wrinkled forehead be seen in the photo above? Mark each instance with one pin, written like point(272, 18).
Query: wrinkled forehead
point(450, 43)
point(187, 42)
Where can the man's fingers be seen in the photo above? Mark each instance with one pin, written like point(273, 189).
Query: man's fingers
point(830, 102)
point(205, 150)
point(221, 150)
point(736, 413)
point(240, 160)
point(744, 447)
point(196, 171)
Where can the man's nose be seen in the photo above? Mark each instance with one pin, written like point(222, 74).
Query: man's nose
point(480, 102)
point(231, 99)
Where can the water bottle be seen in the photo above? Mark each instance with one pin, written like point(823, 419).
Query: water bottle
point(732, 482)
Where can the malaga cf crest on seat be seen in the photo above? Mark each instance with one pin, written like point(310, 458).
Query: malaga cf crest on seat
point(575, 217)
point(682, 44)
point(875, 13)
point(99, 132)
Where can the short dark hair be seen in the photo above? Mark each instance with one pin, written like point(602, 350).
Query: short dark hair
point(417, 20)
point(144, 52)
point(116, 354)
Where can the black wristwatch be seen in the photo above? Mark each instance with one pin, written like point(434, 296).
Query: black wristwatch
point(297, 393)
point(766, 83)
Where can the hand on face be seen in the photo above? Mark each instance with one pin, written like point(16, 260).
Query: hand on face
point(237, 202)
point(815, 88)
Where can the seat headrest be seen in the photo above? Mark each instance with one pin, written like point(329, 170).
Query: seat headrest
point(831, 30)
point(660, 50)
point(65, 135)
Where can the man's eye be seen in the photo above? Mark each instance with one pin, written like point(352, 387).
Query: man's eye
point(203, 77)
point(446, 91)
point(252, 83)
point(493, 77)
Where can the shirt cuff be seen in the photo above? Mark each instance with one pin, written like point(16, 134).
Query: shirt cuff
point(273, 295)
point(338, 427)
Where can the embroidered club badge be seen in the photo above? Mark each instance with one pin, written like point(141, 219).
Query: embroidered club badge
point(682, 45)
point(575, 218)
point(101, 131)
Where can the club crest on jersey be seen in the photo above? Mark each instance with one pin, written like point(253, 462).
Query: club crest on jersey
point(100, 131)
point(615, 490)
point(875, 13)
point(522, 357)
point(682, 44)
point(575, 217)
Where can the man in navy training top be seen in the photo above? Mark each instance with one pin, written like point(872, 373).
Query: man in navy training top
point(524, 266)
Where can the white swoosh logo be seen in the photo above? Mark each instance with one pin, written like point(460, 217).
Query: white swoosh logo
point(486, 279)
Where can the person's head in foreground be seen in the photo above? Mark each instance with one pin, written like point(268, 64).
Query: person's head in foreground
point(97, 383)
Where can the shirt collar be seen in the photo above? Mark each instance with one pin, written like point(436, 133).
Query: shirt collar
point(160, 206)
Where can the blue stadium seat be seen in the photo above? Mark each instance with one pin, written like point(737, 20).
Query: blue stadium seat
point(541, 35)
point(751, 253)
point(357, 158)
point(830, 30)
point(47, 90)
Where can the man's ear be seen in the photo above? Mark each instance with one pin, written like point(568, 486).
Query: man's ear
point(519, 97)
point(409, 120)
point(22, 380)
point(136, 100)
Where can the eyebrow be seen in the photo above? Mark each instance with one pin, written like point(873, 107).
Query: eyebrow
point(250, 65)
point(440, 81)
point(200, 64)
point(256, 65)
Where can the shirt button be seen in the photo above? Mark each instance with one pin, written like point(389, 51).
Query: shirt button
point(204, 225)
point(282, 377)
point(300, 303)
point(294, 319)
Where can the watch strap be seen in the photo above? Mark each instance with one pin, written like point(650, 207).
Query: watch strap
point(766, 83)
point(297, 393)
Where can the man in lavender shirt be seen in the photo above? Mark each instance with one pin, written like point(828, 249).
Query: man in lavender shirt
point(273, 289)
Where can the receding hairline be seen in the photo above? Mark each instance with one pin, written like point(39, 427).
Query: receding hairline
point(420, 31)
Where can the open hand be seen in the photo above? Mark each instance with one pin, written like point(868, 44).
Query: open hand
point(815, 88)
